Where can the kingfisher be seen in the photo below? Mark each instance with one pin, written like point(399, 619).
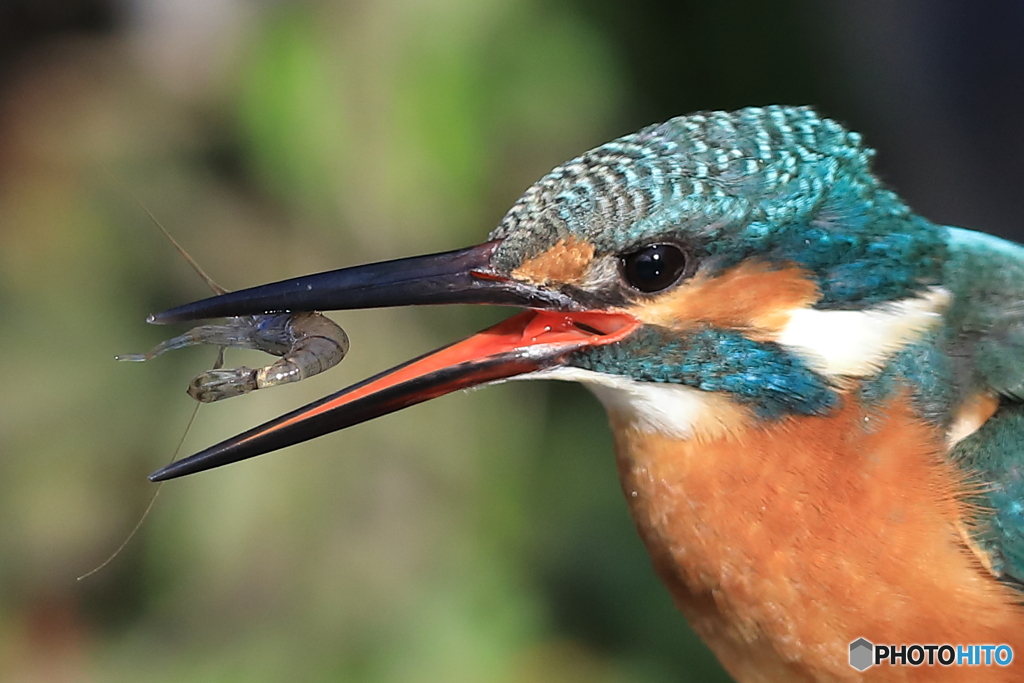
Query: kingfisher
point(816, 394)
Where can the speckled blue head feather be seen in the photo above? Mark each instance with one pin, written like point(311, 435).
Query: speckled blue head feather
point(777, 183)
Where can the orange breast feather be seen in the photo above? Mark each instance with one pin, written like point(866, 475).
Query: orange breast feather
point(784, 541)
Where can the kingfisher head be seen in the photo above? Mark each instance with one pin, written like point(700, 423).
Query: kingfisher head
point(747, 258)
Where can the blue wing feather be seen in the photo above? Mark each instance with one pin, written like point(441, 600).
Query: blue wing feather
point(986, 276)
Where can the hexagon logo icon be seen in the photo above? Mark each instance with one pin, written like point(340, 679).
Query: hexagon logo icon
point(861, 654)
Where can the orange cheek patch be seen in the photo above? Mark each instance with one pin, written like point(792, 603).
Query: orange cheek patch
point(564, 263)
point(754, 297)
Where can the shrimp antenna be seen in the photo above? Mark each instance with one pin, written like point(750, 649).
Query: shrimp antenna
point(149, 507)
point(217, 289)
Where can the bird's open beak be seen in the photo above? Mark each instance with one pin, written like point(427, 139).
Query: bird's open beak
point(529, 341)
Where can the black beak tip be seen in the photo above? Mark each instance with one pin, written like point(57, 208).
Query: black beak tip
point(163, 474)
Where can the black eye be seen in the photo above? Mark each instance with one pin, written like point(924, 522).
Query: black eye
point(654, 268)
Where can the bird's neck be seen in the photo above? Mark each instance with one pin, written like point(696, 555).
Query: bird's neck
point(784, 541)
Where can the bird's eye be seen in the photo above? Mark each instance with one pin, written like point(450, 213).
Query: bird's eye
point(654, 267)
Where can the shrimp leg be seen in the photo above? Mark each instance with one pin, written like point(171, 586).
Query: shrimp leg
point(236, 334)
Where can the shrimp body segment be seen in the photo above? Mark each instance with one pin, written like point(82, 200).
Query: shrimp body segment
point(308, 343)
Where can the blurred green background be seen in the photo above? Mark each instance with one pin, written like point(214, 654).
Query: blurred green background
point(480, 537)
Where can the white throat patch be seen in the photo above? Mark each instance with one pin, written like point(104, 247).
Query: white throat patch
point(670, 409)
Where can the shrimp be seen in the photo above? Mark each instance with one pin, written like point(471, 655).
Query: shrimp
point(308, 343)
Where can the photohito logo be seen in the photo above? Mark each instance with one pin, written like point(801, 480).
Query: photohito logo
point(864, 654)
